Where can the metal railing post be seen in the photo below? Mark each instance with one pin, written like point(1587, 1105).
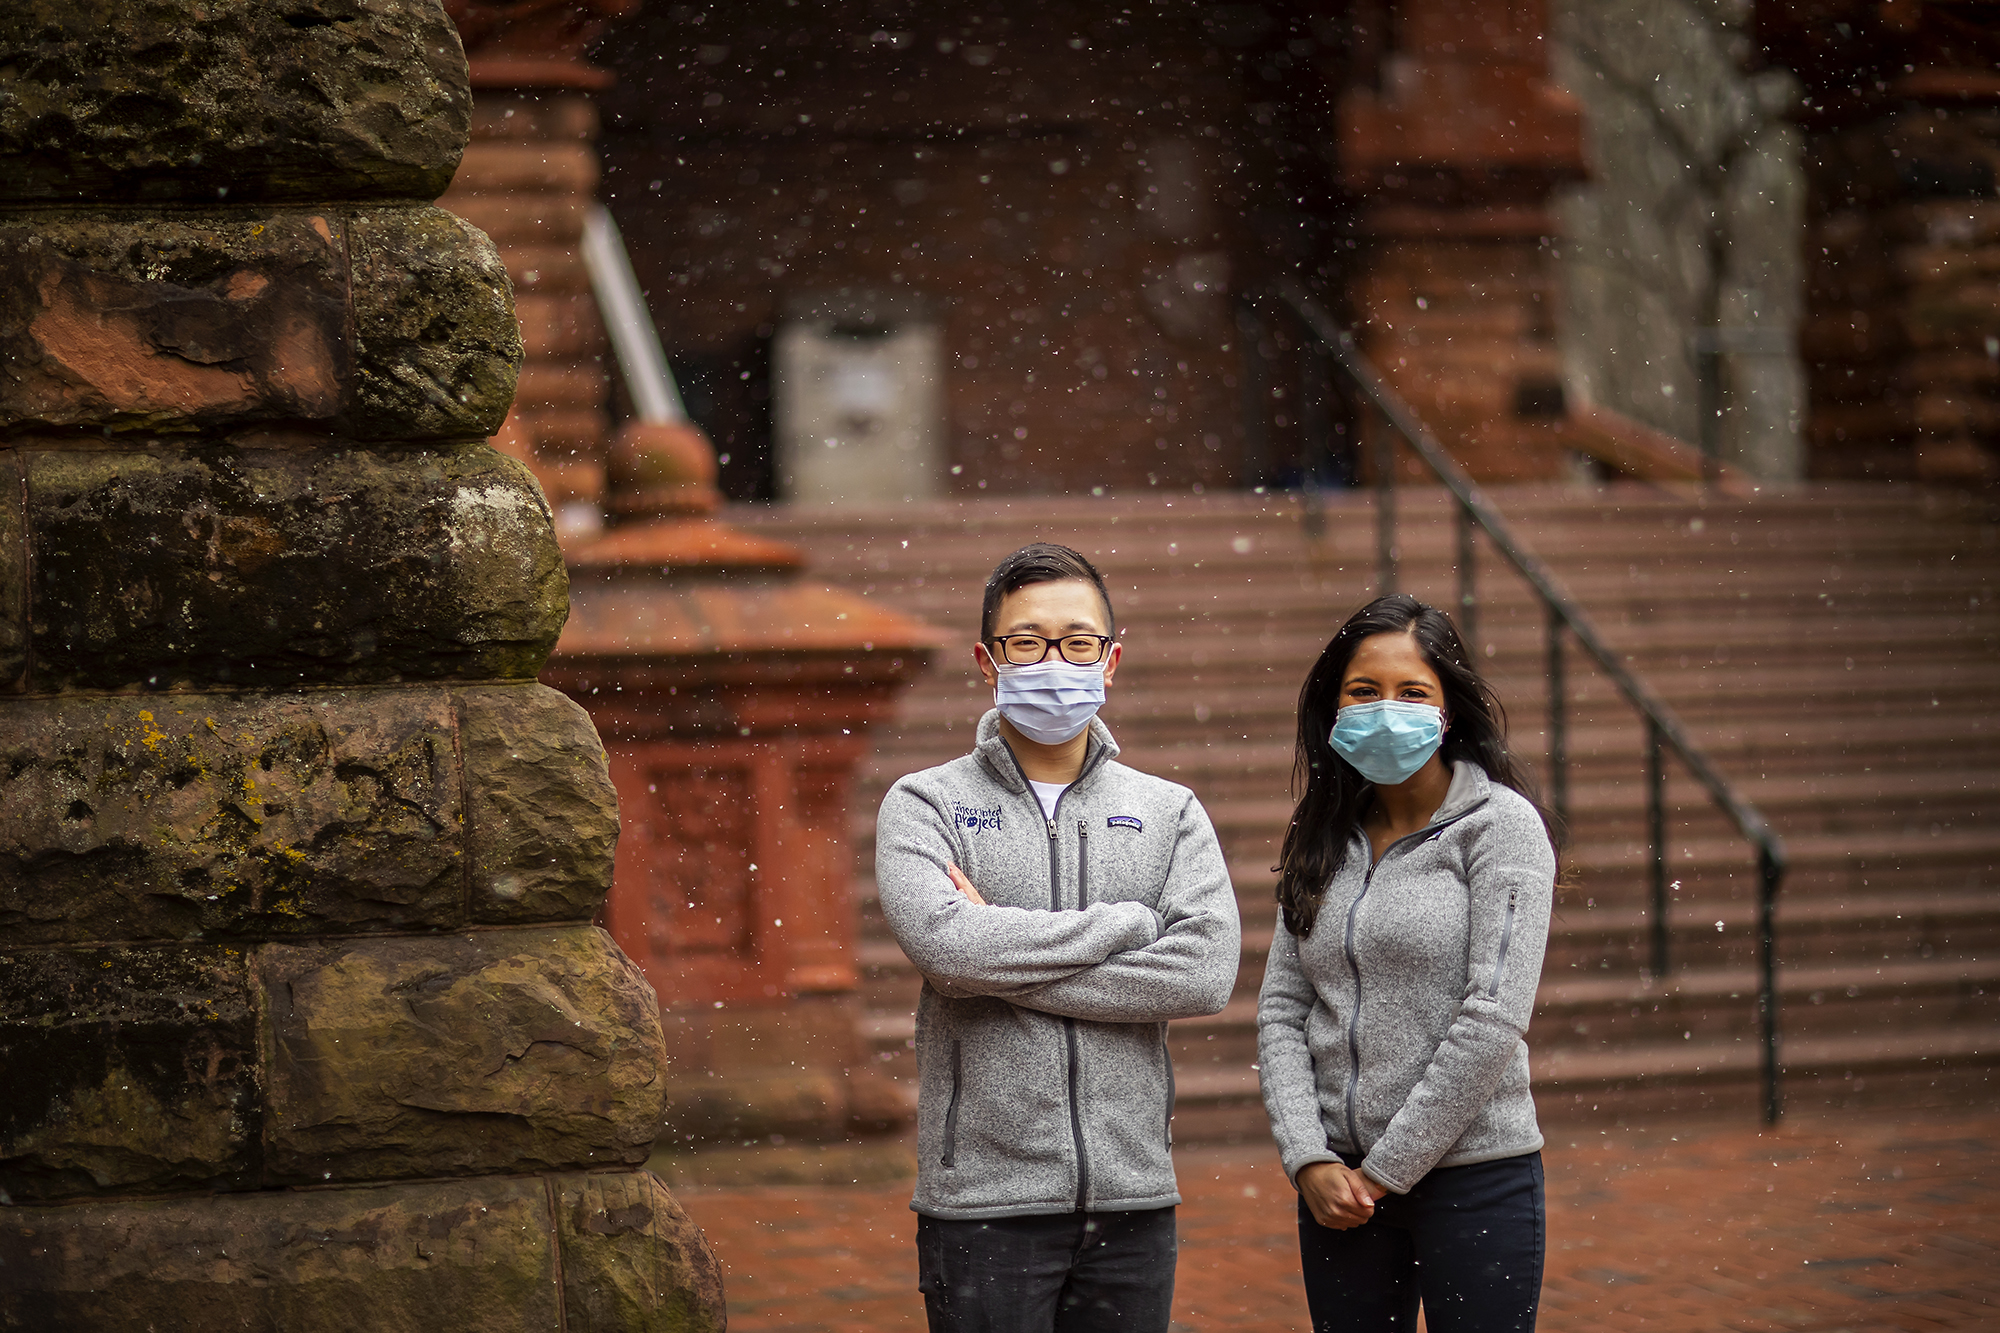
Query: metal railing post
point(1558, 722)
point(1315, 418)
point(1256, 399)
point(1656, 832)
point(1769, 873)
point(1385, 509)
point(1468, 607)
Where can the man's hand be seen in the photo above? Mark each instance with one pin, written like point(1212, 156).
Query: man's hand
point(963, 885)
point(1339, 1197)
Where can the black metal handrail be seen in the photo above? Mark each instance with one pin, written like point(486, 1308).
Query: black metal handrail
point(1564, 617)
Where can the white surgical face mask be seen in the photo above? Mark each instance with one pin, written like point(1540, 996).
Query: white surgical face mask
point(1051, 701)
point(1387, 740)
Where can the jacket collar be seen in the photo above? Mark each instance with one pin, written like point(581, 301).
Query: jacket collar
point(992, 750)
point(1469, 787)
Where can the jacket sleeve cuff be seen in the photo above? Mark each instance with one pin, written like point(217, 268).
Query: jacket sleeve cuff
point(1305, 1160)
point(1145, 924)
point(1384, 1175)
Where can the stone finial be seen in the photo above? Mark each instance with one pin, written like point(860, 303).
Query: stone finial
point(659, 469)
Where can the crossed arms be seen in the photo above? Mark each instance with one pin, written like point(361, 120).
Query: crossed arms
point(1117, 962)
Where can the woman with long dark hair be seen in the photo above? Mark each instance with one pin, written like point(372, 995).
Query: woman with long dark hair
point(1416, 882)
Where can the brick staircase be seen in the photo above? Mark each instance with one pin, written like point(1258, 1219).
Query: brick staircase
point(1834, 649)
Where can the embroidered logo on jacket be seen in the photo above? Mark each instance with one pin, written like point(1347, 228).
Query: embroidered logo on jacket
point(1132, 822)
point(978, 821)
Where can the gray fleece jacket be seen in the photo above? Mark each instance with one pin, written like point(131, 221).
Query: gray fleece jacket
point(1393, 1030)
point(1046, 1086)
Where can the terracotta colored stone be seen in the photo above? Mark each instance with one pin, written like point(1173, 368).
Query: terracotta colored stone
point(434, 313)
point(633, 1259)
point(143, 101)
point(190, 815)
point(503, 1050)
point(171, 321)
point(126, 1069)
point(543, 815)
point(211, 565)
point(217, 319)
point(472, 1256)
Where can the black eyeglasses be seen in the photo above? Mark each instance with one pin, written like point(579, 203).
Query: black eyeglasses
point(1076, 649)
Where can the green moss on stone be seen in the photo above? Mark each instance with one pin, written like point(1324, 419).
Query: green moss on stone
point(232, 101)
point(440, 348)
point(131, 1069)
point(212, 565)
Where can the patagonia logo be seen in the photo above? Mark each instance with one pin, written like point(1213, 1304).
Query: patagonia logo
point(978, 821)
point(1132, 822)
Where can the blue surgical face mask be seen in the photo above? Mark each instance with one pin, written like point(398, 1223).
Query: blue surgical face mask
point(1051, 701)
point(1387, 740)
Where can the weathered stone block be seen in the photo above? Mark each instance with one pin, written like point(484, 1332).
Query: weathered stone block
point(434, 315)
point(543, 815)
point(126, 1069)
point(13, 575)
point(185, 815)
point(143, 101)
point(470, 1256)
point(203, 320)
point(632, 1259)
point(169, 322)
point(218, 565)
point(191, 815)
point(503, 1050)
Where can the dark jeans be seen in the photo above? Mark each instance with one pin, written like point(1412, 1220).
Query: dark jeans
point(1067, 1272)
point(1468, 1240)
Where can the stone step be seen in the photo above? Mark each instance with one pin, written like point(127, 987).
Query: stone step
point(1615, 874)
point(1672, 1078)
point(1219, 1098)
point(957, 535)
point(1896, 1018)
point(1710, 1005)
point(1861, 932)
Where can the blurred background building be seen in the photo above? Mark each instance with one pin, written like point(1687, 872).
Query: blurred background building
point(931, 280)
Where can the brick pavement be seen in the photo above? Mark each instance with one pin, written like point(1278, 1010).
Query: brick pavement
point(1825, 1225)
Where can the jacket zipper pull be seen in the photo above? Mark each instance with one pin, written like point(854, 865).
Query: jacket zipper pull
point(1052, 830)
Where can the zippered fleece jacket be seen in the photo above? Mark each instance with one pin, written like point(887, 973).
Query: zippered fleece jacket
point(1393, 1031)
point(1046, 1085)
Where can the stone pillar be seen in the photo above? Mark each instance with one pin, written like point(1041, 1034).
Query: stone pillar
point(1901, 120)
point(528, 176)
point(1455, 145)
point(304, 1021)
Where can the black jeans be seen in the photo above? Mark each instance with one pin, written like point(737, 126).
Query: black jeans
point(1066, 1272)
point(1468, 1240)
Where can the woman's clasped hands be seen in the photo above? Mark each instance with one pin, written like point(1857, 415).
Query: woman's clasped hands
point(1340, 1197)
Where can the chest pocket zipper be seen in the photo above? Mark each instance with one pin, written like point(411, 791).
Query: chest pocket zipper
point(1506, 938)
point(1082, 864)
point(951, 1112)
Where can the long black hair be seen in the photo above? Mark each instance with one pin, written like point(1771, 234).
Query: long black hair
point(1336, 796)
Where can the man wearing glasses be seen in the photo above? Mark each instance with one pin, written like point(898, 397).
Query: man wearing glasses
point(1062, 907)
